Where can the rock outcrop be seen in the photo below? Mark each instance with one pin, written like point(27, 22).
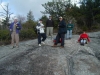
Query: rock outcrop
point(30, 59)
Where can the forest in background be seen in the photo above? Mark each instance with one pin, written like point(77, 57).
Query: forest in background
point(85, 17)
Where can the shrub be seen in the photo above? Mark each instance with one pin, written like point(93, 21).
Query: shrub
point(95, 27)
point(27, 34)
point(84, 28)
point(5, 37)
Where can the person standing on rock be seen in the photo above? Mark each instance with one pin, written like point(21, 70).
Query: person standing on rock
point(61, 32)
point(15, 28)
point(84, 38)
point(69, 30)
point(49, 27)
point(41, 33)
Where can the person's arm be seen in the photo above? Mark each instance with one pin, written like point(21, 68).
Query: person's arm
point(38, 27)
point(42, 26)
point(53, 23)
point(88, 38)
point(62, 24)
point(46, 23)
point(72, 26)
point(19, 26)
point(79, 38)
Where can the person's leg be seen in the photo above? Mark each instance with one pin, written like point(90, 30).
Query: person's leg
point(70, 34)
point(47, 31)
point(57, 39)
point(82, 42)
point(51, 32)
point(43, 37)
point(17, 39)
point(62, 39)
point(12, 38)
point(67, 34)
point(39, 38)
point(85, 41)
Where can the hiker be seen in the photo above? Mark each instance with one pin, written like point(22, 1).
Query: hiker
point(69, 31)
point(49, 27)
point(84, 38)
point(41, 33)
point(61, 33)
point(15, 28)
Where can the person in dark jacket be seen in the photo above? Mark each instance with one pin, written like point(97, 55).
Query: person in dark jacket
point(15, 28)
point(61, 32)
point(69, 30)
point(49, 27)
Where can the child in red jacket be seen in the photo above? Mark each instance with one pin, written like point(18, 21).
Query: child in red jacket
point(83, 39)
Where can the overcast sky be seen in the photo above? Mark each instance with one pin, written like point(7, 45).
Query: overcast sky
point(22, 7)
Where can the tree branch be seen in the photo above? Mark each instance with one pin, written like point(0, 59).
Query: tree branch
point(2, 12)
point(3, 7)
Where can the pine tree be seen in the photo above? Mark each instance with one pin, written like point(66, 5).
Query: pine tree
point(30, 16)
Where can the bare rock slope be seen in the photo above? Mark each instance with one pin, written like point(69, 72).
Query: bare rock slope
point(29, 59)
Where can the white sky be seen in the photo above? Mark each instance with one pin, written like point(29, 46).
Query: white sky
point(22, 7)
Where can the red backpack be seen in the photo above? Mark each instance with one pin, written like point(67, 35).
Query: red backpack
point(58, 42)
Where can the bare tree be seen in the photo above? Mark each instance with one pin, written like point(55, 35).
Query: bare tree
point(6, 14)
point(21, 18)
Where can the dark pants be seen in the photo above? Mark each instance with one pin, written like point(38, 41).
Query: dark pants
point(43, 35)
point(58, 38)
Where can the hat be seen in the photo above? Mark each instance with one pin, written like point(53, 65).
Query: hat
point(40, 20)
point(15, 18)
point(60, 17)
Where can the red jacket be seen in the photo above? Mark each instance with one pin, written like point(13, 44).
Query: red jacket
point(84, 36)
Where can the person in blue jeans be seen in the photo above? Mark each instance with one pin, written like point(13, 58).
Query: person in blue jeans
point(69, 30)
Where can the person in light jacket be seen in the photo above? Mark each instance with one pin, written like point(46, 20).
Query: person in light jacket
point(41, 33)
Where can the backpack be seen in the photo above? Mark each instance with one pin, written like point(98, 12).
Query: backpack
point(58, 41)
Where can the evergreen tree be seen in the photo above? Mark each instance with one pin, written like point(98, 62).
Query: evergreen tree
point(30, 16)
point(56, 8)
point(90, 10)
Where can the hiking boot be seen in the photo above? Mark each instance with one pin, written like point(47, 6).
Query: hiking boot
point(12, 47)
point(61, 46)
point(54, 46)
point(17, 46)
point(82, 44)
